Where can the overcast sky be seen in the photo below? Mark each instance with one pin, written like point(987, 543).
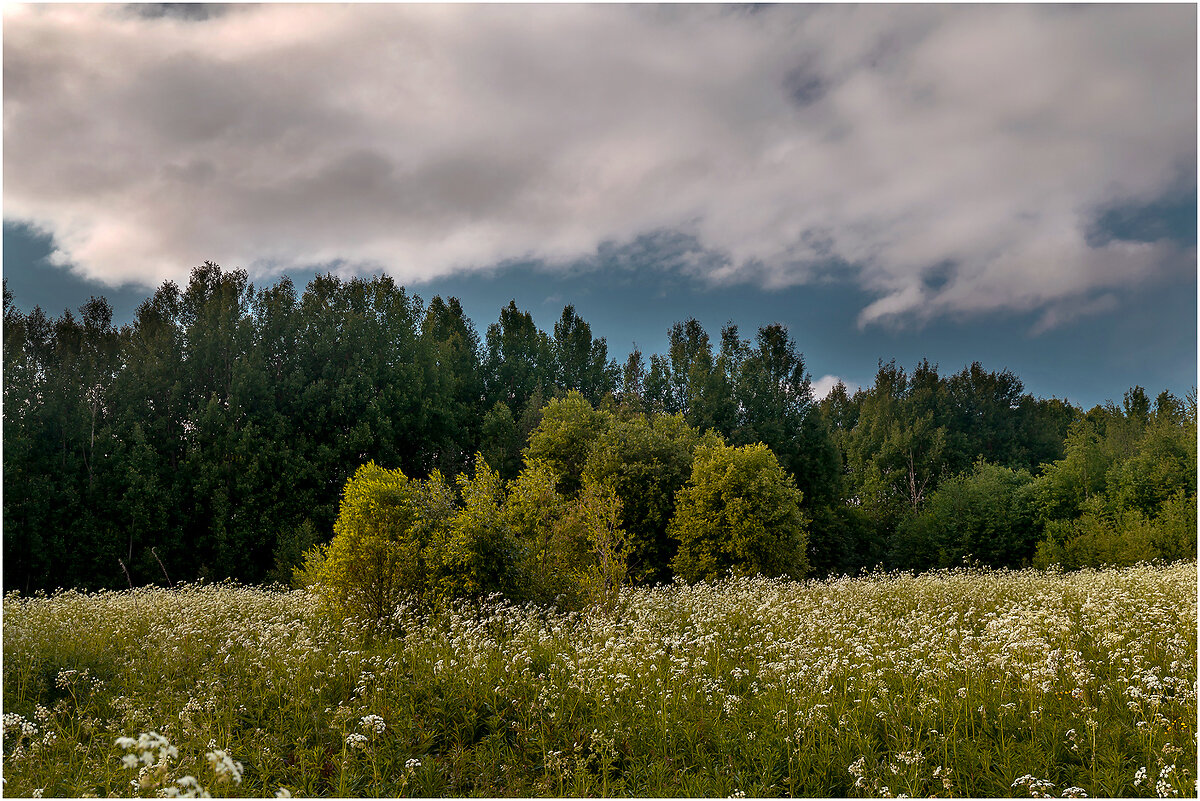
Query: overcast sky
point(921, 179)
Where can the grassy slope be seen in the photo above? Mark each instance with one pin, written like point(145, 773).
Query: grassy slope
point(951, 683)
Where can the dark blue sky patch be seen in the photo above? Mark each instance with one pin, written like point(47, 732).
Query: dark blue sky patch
point(197, 12)
point(1148, 338)
point(35, 282)
point(938, 275)
point(1172, 217)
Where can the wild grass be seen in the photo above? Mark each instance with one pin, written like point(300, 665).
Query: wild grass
point(965, 682)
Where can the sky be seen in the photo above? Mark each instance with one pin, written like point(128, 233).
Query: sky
point(1011, 184)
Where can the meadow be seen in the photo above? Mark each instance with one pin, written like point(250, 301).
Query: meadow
point(962, 682)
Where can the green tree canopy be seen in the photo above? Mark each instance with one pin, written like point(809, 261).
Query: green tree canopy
point(376, 556)
point(985, 514)
point(646, 462)
point(564, 437)
point(518, 361)
point(739, 511)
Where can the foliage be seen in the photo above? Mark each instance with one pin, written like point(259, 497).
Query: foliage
point(518, 361)
point(211, 435)
point(1097, 538)
point(598, 510)
point(1174, 531)
point(501, 443)
point(739, 512)
point(290, 549)
point(985, 515)
point(376, 557)
point(1126, 488)
point(562, 440)
point(473, 554)
point(1164, 466)
point(449, 360)
point(398, 539)
point(581, 363)
point(843, 540)
point(553, 546)
point(646, 462)
point(775, 406)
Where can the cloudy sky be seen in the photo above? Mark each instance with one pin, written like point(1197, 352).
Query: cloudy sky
point(1014, 184)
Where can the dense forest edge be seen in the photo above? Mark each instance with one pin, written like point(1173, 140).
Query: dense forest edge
point(221, 432)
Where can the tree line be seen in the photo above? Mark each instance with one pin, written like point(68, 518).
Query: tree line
point(214, 435)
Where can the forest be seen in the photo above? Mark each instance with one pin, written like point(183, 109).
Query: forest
point(219, 434)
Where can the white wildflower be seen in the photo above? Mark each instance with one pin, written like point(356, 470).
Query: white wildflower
point(151, 747)
point(185, 787)
point(225, 767)
point(1038, 788)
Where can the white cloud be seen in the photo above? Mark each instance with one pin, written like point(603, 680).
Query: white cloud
point(954, 158)
point(825, 384)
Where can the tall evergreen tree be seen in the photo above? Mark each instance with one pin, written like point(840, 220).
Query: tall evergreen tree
point(518, 360)
point(455, 386)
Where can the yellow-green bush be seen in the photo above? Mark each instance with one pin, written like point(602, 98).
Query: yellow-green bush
point(739, 512)
point(1098, 539)
point(474, 554)
point(553, 544)
point(598, 511)
point(376, 555)
point(397, 538)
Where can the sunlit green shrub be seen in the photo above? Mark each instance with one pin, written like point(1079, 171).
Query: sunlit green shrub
point(562, 440)
point(1098, 538)
point(598, 510)
point(473, 553)
point(376, 556)
point(553, 544)
point(739, 512)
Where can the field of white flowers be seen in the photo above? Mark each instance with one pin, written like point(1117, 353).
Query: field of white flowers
point(965, 682)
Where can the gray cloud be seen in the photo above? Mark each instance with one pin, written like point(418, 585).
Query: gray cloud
point(948, 160)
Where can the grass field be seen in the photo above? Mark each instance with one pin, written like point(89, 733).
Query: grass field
point(957, 683)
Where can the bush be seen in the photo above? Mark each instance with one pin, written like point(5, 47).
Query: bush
point(375, 556)
point(1099, 538)
point(1164, 466)
point(986, 514)
point(646, 462)
point(1095, 540)
point(739, 512)
point(474, 554)
point(598, 511)
point(1174, 533)
point(563, 438)
point(553, 546)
